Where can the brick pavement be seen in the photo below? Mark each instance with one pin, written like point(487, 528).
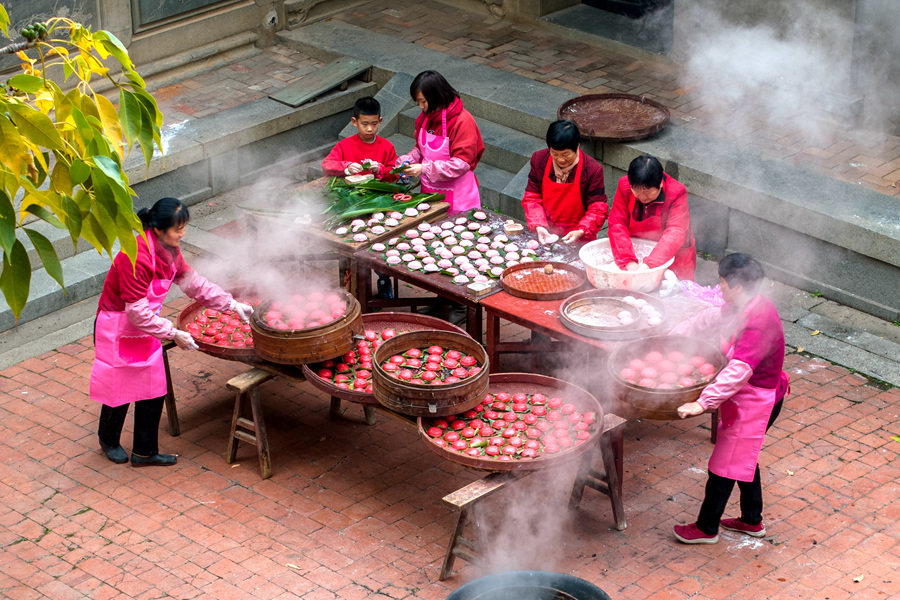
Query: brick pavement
point(867, 158)
point(355, 512)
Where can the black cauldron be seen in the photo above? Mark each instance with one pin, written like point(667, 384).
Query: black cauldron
point(528, 585)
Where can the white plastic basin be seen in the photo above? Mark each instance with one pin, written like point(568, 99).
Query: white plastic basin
point(603, 272)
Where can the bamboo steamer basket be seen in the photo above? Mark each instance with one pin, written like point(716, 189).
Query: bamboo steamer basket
point(425, 400)
point(313, 344)
point(638, 402)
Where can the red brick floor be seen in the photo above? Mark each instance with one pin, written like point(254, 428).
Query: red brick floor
point(857, 156)
point(354, 511)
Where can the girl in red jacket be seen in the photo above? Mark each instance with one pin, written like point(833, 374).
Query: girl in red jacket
point(651, 205)
point(565, 194)
point(448, 143)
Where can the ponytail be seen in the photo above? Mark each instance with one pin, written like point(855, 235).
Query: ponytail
point(165, 214)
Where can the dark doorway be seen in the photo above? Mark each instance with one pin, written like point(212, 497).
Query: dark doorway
point(633, 9)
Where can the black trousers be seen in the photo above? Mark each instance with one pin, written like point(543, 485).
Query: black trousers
point(147, 414)
point(718, 491)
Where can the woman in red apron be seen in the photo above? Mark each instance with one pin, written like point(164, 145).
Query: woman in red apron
point(448, 143)
point(565, 195)
point(748, 393)
point(651, 205)
point(128, 357)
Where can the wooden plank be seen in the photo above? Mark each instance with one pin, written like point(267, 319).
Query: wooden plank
point(315, 84)
point(245, 381)
point(480, 488)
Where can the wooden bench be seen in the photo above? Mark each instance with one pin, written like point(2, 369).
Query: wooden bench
point(171, 410)
point(252, 430)
point(609, 481)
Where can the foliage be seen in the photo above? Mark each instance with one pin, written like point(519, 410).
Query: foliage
point(349, 201)
point(62, 148)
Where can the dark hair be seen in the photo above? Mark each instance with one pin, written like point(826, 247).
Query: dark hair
point(439, 94)
point(165, 214)
point(742, 269)
point(366, 106)
point(563, 135)
point(645, 171)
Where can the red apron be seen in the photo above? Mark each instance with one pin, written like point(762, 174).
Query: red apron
point(461, 192)
point(128, 363)
point(562, 201)
point(651, 228)
point(742, 425)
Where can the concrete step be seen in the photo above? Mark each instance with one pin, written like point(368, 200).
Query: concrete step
point(504, 147)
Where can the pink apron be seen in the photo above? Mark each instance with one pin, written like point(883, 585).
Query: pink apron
point(742, 425)
point(128, 363)
point(461, 192)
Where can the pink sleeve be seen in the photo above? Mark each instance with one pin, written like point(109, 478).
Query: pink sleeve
point(444, 170)
point(206, 293)
point(728, 382)
point(414, 157)
point(704, 321)
point(142, 317)
point(533, 205)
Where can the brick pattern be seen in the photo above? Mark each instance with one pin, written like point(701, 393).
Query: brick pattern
point(355, 512)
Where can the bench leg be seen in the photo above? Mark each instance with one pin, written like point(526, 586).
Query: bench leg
point(611, 449)
point(231, 453)
point(262, 439)
point(171, 410)
point(450, 557)
point(252, 430)
point(369, 411)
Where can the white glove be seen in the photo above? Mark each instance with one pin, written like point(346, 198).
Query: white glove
point(243, 310)
point(184, 340)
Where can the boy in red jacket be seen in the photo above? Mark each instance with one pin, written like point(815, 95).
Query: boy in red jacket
point(364, 152)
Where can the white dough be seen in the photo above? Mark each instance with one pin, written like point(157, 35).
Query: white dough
point(360, 237)
point(378, 230)
point(341, 231)
point(479, 215)
point(391, 222)
point(378, 247)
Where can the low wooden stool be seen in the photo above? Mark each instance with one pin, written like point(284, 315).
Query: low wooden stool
point(253, 430)
point(467, 501)
point(609, 481)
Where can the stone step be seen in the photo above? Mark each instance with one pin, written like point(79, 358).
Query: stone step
point(60, 238)
point(504, 147)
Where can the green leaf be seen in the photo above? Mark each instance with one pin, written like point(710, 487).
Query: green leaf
point(129, 115)
point(45, 215)
point(60, 178)
point(149, 102)
point(48, 256)
point(79, 171)
point(15, 279)
point(146, 136)
point(111, 169)
point(27, 83)
point(896, 438)
point(111, 44)
point(73, 218)
point(7, 223)
point(95, 234)
point(36, 126)
point(127, 240)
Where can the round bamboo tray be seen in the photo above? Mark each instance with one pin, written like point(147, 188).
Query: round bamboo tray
point(424, 399)
point(640, 402)
point(639, 328)
point(187, 315)
point(400, 322)
point(314, 344)
point(531, 281)
point(529, 383)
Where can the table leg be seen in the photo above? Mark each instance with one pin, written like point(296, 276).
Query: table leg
point(714, 425)
point(363, 286)
point(171, 409)
point(335, 409)
point(473, 323)
point(369, 411)
point(493, 338)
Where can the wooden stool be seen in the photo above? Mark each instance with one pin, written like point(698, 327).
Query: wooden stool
point(253, 430)
point(171, 410)
point(609, 481)
point(368, 411)
point(467, 501)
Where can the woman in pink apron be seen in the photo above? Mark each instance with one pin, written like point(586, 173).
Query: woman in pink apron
point(650, 204)
point(748, 393)
point(448, 143)
point(128, 358)
point(565, 195)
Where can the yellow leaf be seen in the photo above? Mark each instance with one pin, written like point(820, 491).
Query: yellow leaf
point(790, 472)
point(289, 565)
point(858, 578)
point(110, 120)
point(816, 332)
point(13, 151)
point(799, 348)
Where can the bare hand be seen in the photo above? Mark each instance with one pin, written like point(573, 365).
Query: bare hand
point(691, 409)
point(632, 266)
point(184, 340)
point(643, 267)
point(542, 234)
point(573, 236)
point(413, 170)
point(374, 166)
point(354, 168)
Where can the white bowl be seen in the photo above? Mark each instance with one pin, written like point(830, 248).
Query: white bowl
point(603, 272)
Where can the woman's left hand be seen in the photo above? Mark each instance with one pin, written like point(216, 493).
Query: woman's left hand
point(413, 170)
point(691, 409)
point(573, 236)
point(243, 311)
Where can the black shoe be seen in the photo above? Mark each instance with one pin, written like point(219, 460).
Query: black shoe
point(385, 288)
point(116, 454)
point(157, 460)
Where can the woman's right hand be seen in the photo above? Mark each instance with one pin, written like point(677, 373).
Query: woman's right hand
point(184, 340)
point(413, 170)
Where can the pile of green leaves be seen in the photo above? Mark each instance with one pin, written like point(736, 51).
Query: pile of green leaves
point(349, 201)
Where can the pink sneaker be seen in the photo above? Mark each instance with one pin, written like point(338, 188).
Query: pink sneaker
point(741, 527)
point(689, 534)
